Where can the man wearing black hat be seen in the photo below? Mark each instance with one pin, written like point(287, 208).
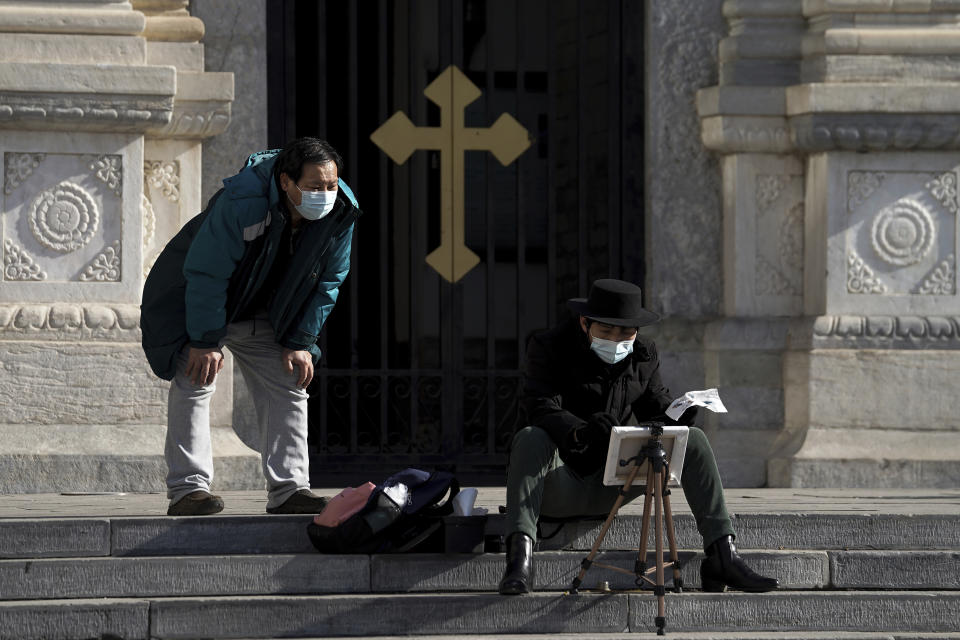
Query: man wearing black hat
point(582, 378)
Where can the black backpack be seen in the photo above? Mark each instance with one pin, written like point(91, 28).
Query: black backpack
point(383, 525)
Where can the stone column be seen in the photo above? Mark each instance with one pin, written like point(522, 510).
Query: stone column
point(102, 111)
point(763, 198)
point(839, 130)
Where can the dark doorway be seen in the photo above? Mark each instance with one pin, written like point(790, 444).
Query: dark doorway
point(418, 370)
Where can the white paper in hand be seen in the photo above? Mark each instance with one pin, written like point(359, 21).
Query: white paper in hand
point(708, 398)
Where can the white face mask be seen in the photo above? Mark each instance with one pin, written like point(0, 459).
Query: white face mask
point(315, 204)
point(609, 351)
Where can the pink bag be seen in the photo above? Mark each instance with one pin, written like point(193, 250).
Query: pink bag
point(344, 504)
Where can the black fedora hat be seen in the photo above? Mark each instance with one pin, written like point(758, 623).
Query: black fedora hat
point(614, 302)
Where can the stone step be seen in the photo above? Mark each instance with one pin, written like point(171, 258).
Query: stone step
point(183, 576)
point(426, 573)
point(845, 530)
point(895, 569)
point(923, 570)
point(546, 613)
point(75, 619)
point(691, 635)
point(909, 613)
point(153, 536)
point(400, 573)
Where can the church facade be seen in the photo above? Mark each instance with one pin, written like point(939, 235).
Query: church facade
point(780, 176)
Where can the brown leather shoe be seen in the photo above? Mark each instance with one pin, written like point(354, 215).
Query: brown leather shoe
point(198, 503)
point(303, 501)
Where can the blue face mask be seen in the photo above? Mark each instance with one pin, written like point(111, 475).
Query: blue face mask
point(315, 204)
point(609, 351)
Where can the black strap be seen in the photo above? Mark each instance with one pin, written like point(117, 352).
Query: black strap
point(444, 508)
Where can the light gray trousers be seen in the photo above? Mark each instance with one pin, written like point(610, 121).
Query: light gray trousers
point(281, 415)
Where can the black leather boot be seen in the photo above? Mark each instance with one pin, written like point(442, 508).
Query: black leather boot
point(518, 578)
point(723, 567)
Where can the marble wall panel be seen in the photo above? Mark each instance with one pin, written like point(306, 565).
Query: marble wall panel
point(763, 235)
point(171, 192)
point(70, 223)
point(889, 224)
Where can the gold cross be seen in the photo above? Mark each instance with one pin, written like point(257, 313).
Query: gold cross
point(399, 138)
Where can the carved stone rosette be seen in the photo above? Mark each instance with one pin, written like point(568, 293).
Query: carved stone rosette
point(64, 218)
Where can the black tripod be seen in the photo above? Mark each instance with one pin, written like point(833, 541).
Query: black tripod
point(658, 474)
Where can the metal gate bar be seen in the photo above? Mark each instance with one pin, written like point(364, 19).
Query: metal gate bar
point(407, 379)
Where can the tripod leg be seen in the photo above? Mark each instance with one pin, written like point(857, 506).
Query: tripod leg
point(661, 618)
point(640, 567)
point(585, 564)
point(672, 537)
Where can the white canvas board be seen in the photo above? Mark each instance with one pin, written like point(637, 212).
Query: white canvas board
point(626, 442)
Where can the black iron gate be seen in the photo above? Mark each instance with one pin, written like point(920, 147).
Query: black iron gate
point(418, 370)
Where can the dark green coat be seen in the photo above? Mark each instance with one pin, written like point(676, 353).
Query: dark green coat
point(212, 269)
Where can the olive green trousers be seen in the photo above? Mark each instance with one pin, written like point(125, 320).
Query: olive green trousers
point(540, 484)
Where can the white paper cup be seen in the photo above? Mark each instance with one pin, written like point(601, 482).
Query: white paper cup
point(463, 502)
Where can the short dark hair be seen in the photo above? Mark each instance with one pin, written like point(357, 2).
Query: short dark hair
point(303, 151)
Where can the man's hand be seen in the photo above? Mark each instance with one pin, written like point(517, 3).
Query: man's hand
point(301, 359)
point(578, 438)
point(601, 423)
point(594, 432)
point(203, 365)
point(689, 416)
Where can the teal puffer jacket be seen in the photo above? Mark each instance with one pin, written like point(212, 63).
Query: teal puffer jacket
point(211, 270)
